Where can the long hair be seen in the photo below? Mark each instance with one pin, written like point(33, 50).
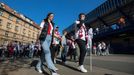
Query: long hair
point(46, 19)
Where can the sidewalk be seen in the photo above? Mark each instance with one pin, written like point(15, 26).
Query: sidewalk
point(24, 68)
point(69, 69)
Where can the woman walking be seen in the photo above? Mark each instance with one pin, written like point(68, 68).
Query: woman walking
point(45, 38)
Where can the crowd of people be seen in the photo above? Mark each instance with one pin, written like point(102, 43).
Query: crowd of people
point(50, 45)
point(101, 49)
point(16, 50)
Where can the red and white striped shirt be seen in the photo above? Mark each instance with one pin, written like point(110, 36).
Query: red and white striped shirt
point(56, 40)
point(81, 33)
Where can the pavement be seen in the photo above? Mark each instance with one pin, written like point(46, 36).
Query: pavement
point(102, 65)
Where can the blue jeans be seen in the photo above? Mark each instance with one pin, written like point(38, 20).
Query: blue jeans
point(46, 54)
point(64, 53)
point(31, 53)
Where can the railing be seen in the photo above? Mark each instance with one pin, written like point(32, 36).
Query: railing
point(109, 30)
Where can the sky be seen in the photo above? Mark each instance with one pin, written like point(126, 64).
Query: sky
point(65, 11)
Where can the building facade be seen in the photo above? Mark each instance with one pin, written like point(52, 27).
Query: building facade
point(16, 27)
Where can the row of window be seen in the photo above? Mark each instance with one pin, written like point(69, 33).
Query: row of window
point(29, 33)
point(7, 34)
point(14, 35)
point(9, 26)
point(18, 21)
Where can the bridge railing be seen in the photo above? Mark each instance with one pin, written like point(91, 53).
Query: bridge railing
point(112, 29)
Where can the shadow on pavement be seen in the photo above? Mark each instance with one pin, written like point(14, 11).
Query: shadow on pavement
point(34, 63)
point(68, 66)
point(10, 65)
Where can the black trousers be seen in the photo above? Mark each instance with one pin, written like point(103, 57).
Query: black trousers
point(0, 52)
point(54, 51)
point(82, 46)
point(73, 54)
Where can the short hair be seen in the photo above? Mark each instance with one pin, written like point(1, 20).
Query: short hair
point(80, 15)
point(64, 32)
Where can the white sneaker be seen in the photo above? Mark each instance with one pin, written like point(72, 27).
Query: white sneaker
point(82, 69)
point(39, 70)
point(56, 69)
point(55, 61)
point(54, 73)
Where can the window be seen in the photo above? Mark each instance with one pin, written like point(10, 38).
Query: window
point(0, 22)
point(36, 34)
point(29, 33)
point(10, 17)
point(33, 28)
point(27, 25)
point(14, 35)
point(1, 13)
point(17, 20)
point(9, 25)
point(6, 33)
point(23, 24)
point(22, 37)
point(30, 27)
point(33, 34)
point(24, 30)
point(110, 4)
point(16, 28)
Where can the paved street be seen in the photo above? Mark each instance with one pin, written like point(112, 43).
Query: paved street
point(31, 28)
point(102, 65)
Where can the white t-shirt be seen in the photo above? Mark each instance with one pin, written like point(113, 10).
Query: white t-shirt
point(42, 24)
point(90, 33)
